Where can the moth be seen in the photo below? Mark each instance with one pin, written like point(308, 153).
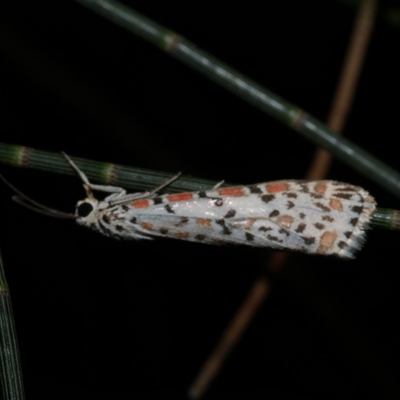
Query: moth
point(316, 217)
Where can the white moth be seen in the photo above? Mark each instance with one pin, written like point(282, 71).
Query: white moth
point(315, 217)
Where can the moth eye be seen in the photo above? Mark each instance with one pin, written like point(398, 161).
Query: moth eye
point(84, 209)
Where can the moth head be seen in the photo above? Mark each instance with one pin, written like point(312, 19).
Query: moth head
point(86, 211)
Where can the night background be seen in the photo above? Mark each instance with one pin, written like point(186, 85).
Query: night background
point(98, 318)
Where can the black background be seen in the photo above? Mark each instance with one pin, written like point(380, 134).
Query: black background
point(98, 318)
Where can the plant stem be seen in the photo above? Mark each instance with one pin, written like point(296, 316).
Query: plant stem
point(137, 178)
point(10, 370)
point(250, 91)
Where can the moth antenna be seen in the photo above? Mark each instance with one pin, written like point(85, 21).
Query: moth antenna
point(81, 174)
point(33, 205)
point(50, 212)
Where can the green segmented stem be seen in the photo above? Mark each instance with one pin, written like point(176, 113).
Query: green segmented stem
point(137, 178)
point(100, 172)
point(386, 218)
point(10, 366)
point(250, 91)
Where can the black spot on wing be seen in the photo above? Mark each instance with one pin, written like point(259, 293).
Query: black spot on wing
point(255, 189)
point(163, 231)
point(273, 238)
point(264, 229)
point(316, 196)
point(157, 200)
point(357, 209)
point(133, 220)
point(289, 205)
point(304, 188)
point(200, 237)
point(266, 198)
point(290, 195)
point(249, 237)
point(225, 229)
point(202, 194)
point(300, 228)
point(182, 221)
point(169, 209)
point(346, 189)
point(309, 240)
point(119, 228)
point(323, 207)
point(274, 213)
point(231, 213)
point(218, 202)
point(354, 221)
point(346, 196)
point(320, 226)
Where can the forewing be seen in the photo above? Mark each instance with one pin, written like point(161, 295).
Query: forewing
point(318, 217)
point(197, 221)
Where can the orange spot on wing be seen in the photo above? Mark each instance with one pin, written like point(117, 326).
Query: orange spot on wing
point(234, 191)
point(147, 226)
point(285, 221)
point(140, 204)
point(336, 204)
point(181, 235)
point(326, 241)
point(320, 188)
point(276, 187)
point(203, 222)
point(249, 223)
point(180, 196)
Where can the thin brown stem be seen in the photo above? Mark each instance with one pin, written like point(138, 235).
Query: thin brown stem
point(319, 167)
point(347, 84)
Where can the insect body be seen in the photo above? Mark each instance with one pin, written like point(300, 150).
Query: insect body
point(317, 217)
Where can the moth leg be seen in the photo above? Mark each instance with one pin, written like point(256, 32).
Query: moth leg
point(219, 184)
point(116, 198)
point(89, 186)
point(163, 185)
point(108, 189)
point(134, 196)
point(120, 199)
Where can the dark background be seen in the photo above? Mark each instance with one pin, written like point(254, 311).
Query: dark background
point(98, 318)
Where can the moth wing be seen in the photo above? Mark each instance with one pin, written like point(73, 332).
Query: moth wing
point(264, 232)
point(320, 217)
point(194, 229)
